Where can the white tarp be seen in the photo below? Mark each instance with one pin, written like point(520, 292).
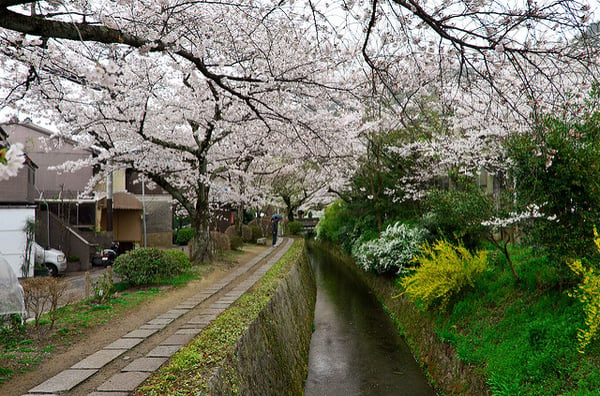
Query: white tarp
point(13, 238)
point(11, 292)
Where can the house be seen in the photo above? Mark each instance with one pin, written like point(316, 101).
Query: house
point(61, 199)
point(17, 208)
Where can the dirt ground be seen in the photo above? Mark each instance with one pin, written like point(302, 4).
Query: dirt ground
point(96, 338)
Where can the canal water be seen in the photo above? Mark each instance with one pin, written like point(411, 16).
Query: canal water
point(355, 348)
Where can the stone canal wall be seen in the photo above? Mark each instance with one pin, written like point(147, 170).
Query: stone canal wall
point(271, 358)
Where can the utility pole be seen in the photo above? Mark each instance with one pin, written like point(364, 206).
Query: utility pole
point(144, 207)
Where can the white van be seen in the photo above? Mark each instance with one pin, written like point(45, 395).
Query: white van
point(53, 259)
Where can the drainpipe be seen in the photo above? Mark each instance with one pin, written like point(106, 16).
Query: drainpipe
point(109, 202)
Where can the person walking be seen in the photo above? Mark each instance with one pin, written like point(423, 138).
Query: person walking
point(274, 227)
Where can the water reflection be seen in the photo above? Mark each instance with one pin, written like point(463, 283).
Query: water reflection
point(355, 349)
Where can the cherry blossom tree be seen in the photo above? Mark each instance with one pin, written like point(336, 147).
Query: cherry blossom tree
point(196, 94)
point(182, 91)
point(490, 68)
point(11, 160)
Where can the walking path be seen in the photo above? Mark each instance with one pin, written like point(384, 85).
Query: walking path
point(195, 315)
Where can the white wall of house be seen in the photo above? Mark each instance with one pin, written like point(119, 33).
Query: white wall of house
point(13, 238)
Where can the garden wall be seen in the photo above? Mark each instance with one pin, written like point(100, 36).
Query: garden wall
point(271, 358)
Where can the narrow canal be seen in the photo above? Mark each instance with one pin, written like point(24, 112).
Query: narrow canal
point(355, 348)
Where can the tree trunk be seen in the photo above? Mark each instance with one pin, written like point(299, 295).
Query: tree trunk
point(200, 244)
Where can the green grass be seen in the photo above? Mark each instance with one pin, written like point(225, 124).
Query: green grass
point(523, 335)
point(190, 369)
point(22, 347)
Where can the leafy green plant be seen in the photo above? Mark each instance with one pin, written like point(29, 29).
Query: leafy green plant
point(444, 270)
point(336, 224)
point(557, 168)
point(184, 236)
point(246, 233)
point(148, 266)
point(236, 242)
point(391, 252)
point(458, 213)
point(178, 259)
point(294, 228)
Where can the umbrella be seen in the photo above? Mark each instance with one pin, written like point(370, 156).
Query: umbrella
point(277, 216)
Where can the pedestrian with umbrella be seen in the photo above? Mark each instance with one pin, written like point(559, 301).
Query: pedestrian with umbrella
point(275, 219)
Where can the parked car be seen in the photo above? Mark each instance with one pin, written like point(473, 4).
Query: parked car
point(53, 259)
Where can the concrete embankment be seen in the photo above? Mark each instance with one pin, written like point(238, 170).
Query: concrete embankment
point(447, 372)
point(271, 357)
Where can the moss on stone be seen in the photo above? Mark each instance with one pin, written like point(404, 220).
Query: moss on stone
point(258, 346)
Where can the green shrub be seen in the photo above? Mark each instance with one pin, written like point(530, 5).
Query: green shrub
point(256, 233)
point(557, 169)
point(444, 271)
point(184, 236)
point(294, 228)
point(236, 242)
point(458, 213)
point(335, 224)
point(178, 259)
point(246, 233)
point(149, 265)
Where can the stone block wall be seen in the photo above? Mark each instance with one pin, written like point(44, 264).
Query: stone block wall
point(271, 358)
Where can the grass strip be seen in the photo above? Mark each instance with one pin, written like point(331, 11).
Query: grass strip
point(23, 347)
point(189, 370)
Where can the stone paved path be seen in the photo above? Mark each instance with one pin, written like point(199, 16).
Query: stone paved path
point(125, 380)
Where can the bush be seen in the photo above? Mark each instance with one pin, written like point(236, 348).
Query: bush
point(458, 213)
point(103, 288)
point(232, 231)
point(149, 265)
point(256, 233)
point(557, 168)
point(444, 271)
point(337, 225)
point(246, 233)
point(391, 252)
point(43, 295)
point(184, 236)
point(588, 293)
point(219, 241)
point(178, 259)
point(236, 242)
point(294, 228)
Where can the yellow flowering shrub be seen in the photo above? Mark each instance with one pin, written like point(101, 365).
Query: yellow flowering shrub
point(588, 293)
point(443, 271)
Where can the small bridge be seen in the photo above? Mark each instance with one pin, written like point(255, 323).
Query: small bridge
point(308, 224)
